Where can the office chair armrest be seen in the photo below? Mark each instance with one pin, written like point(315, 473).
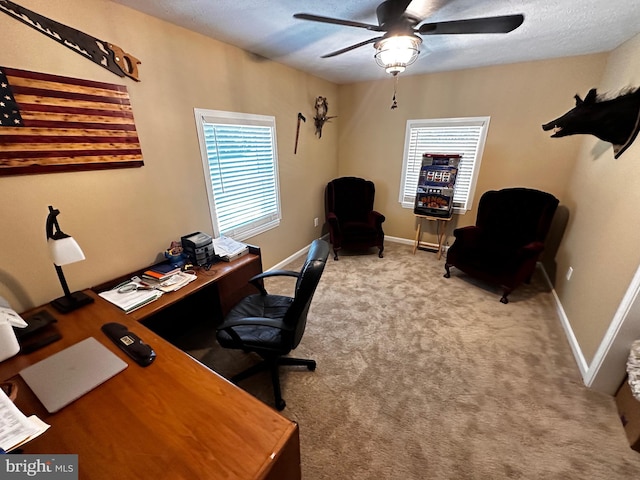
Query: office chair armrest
point(275, 273)
point(256, 280)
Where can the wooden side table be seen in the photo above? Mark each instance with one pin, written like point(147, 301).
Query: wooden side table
point(441, 227)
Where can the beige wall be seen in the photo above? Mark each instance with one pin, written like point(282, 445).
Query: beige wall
point(124, 218)
point(519, 99)
point(602, 243)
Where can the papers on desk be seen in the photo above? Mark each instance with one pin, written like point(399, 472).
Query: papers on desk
point(130, 301)
point(15, 428)
point(228, 249)
point(171, 284)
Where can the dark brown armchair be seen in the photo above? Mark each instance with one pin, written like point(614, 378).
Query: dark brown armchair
point(504, 245)
point(352, 221)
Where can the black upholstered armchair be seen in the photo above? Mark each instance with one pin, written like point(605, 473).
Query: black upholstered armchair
point(352, 221)
point(273, 325)
point(507, 239)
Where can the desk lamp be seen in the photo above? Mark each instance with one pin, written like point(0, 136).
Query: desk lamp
point(64, 250)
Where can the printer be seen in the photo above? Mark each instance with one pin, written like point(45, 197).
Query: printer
point(199, 248)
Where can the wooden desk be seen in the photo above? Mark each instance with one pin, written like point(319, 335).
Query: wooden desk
point(175, 419)
point(441, 227)
point(229, 279)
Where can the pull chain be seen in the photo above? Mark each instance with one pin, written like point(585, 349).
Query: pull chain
point(394, 103)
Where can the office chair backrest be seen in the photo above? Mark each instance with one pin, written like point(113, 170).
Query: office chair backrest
point(305, 288)
point(350, 198)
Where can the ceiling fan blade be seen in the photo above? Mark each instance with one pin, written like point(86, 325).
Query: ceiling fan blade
point(336, 21)
point(352, 47)
point(391, 11)
point(503, 24)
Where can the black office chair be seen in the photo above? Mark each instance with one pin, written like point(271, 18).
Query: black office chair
point(273, 325)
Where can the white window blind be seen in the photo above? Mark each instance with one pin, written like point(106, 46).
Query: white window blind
point(463, 136)
point(240, 164)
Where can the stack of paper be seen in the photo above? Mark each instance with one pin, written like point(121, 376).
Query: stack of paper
point(130, 301)
point(173, 283)
point(227, 248)
point(15, 428)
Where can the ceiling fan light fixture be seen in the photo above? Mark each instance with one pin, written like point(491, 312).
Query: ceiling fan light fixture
point(395, 53)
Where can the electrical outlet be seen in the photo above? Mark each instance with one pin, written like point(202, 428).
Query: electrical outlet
point(569, 273)
point(315, 222)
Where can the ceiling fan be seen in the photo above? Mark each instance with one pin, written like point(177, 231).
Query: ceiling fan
point(398, 46)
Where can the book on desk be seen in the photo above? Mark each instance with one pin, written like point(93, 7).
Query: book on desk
point(162, 271)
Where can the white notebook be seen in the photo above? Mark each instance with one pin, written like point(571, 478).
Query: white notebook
point(65, 376)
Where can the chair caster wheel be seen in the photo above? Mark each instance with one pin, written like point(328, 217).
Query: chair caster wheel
point(504, 300)
point(280, 405)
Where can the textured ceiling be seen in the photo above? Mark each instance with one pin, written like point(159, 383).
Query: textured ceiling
point(267, 28)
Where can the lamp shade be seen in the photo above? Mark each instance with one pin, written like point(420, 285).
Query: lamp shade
point(395, 53)
point(64, 251)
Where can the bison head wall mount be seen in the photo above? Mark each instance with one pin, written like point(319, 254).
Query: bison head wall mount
point(614, 120)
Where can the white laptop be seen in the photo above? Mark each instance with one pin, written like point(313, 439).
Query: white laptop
point(67, 375)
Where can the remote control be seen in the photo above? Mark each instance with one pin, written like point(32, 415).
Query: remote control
point(129, 343)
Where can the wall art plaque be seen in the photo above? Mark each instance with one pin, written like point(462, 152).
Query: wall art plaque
point(51, 124)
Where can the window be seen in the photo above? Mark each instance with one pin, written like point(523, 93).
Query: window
point(464, 136)
point(240, 164)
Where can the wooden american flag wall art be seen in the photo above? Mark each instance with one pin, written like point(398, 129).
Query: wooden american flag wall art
point(52, 124)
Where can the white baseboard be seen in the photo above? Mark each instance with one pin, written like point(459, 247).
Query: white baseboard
point(583, 366)
point(404, 241)
point(298, 254)
point(303, 251)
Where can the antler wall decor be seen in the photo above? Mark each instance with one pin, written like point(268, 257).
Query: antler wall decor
point(322, 107)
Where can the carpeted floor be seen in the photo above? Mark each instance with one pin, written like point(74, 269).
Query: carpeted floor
point(423, 377)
